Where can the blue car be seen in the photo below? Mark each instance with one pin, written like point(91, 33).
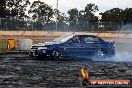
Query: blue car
point(77, 46)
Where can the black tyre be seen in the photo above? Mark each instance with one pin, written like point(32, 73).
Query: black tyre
point(101, 53)
point(56, 54)
point(40, 57)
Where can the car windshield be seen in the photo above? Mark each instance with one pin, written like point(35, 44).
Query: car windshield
point(63, 38)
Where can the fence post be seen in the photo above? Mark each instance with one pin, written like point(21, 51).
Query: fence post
point(110, 23)
point(0, 22)
point(6, 25)
point(32, 26)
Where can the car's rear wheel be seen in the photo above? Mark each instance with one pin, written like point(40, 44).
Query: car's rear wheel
point(101, 53)
point(56, 54)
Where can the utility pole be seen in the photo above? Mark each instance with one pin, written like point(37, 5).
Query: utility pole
point(57, 16)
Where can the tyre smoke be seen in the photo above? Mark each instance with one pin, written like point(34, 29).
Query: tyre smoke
point(123, 49)
point(123, 57)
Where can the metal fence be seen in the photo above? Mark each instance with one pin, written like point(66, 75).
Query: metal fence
point(13, 24)
point(21, 34)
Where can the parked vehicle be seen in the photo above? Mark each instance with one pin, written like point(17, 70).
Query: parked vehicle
point(82, 46)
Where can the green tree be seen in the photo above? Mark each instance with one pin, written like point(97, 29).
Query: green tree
point(115, 15)
point(127, 15)
point(60, 16)
point(73, 14)
point(2, 8)
point(89, 11)
point(16, 8)
point(83, 19)
point(41, 11)
point(73, 18)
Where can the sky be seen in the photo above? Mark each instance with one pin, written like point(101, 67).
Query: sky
point(103, 5)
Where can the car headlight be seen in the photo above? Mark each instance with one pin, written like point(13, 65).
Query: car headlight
point(42, 48)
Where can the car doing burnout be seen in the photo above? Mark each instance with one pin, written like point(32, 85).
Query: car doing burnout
point(83, 46)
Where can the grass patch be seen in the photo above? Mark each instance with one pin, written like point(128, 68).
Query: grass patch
point(37, 41)
point(3, 46)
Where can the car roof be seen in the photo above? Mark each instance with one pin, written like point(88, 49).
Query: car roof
point(84, 35)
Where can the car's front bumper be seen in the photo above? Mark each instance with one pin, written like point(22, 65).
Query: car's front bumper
point(44, 53)
point(33, 53)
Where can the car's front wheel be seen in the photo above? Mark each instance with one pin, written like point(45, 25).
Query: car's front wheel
point(29, 54)
point(56, 54)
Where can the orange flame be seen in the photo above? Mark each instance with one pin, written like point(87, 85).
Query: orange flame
point(84, 73)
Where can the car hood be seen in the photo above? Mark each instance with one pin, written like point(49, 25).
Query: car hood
point(46, 43)
point(51, 43)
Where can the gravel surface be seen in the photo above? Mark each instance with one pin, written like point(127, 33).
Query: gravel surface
point(20, 71)
point(26, 72)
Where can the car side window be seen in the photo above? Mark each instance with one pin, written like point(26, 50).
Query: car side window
point(91, 39)
point(96, 39)
point(75, 40)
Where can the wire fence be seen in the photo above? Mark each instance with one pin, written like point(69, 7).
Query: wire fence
point(81, 26)
point(21, 34)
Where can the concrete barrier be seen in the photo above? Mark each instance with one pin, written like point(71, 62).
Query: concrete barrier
point(51, 33)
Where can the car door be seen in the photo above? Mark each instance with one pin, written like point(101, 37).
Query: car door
point(74, 47)
point(91, 45)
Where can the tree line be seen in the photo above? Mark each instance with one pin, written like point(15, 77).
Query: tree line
point(42, 13)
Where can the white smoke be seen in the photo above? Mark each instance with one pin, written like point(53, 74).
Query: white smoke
point(123, 57)
point(124, 45)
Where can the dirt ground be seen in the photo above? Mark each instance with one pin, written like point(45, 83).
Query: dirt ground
point(22, 71)
point(26, 72)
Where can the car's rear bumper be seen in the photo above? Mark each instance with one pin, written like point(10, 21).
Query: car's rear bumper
point(111, 52)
